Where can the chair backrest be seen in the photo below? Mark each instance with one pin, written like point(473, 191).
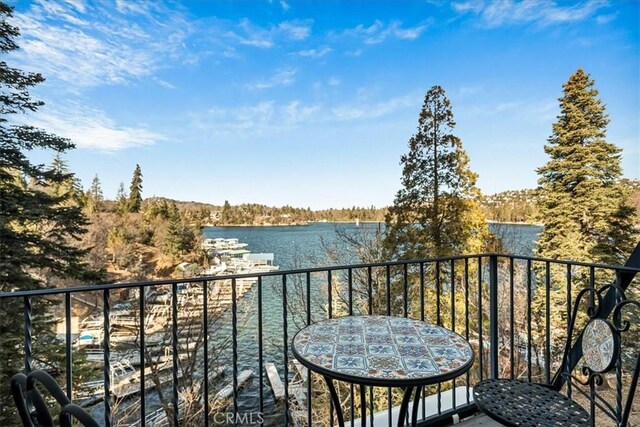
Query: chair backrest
point(32, 407)
point(601, 342)
point(624, 279)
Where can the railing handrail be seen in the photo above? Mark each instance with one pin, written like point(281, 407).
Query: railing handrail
point(161, 282)
point(488, 275)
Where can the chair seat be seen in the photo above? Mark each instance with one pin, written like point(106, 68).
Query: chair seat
point(520, 403)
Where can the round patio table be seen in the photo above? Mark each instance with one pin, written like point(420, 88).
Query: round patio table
point(382, 351)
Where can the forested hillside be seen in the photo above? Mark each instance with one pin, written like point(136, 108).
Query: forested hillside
point(520, 205)
point(510, 206)
point(137, 238)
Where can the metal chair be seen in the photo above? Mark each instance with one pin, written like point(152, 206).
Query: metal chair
point(515, 402)
point(32, 407)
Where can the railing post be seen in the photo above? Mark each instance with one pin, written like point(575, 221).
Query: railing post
point(493, 315)
point(106, 368)
point(28, 344)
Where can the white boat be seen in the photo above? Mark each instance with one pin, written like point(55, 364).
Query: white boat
point(219, 244)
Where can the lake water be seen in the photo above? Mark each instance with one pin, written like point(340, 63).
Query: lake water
point(301, 246)
point(304, 247)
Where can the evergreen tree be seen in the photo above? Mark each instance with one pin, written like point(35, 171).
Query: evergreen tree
point(94, 196)
point(180, 238)
point(37, 228)
point(122, 201)
point(174, 237)
point(96, 190)
point(225, 216)
point(135, 191)
point(436, 212)
point(118, 246)
point(581, 200)
point(67, 186)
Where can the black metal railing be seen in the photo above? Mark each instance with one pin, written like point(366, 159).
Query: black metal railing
point(512, 309)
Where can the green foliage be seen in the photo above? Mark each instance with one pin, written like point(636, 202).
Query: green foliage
point(256, 214)
point(40, 222)
point(93, 197)
point(156, 209)
point(122, 200)
point(118, 246)
point(511, 206)
point(67, 185)
point(582, 202)
point(180, 238)
point(225, 216)
point(436, 212)
point(135, 191)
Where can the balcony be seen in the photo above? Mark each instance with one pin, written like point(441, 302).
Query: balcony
point(148, 346)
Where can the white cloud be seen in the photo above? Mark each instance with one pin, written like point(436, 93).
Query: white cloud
point(355, 53)
point(468, 6)
point(284, 77)
point(239, 121)
point(126, 6)
point(247, 121)
point(378, 32)
point(247, 33)
point(496, 13)
point(296, 30)
point(230, 52)
point(362, 111)
point(165, 84)
point(87, 44)
point(284, 5)
point(605, 19)
point(315, 53)
point(252, 35)
point(492, 109)
point(334, 81)
point(542, 111)
point(469, 90)
point(97, 45)
point(256, 42)
point(78, 4)
point(296, 113)
point(90, 128)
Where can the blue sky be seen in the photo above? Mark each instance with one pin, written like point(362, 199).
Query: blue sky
point(312, 103)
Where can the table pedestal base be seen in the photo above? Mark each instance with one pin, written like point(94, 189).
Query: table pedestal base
point(404, 407)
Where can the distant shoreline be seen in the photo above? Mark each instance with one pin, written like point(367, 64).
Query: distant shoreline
point(531, 224)
point(293, 224)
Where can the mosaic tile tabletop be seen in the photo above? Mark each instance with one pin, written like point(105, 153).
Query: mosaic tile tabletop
point(383, 349)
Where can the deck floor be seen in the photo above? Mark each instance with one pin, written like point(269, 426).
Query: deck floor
point(479, 420)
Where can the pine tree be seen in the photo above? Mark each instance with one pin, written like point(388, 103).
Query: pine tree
point(581, 200)
point(94, 196)
point(66, 184)
point(225, 216)
point(37, 228)
point(135, 191)
point(179, 237)
point(122, 201)
point(436, 212)
point(96, 189)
